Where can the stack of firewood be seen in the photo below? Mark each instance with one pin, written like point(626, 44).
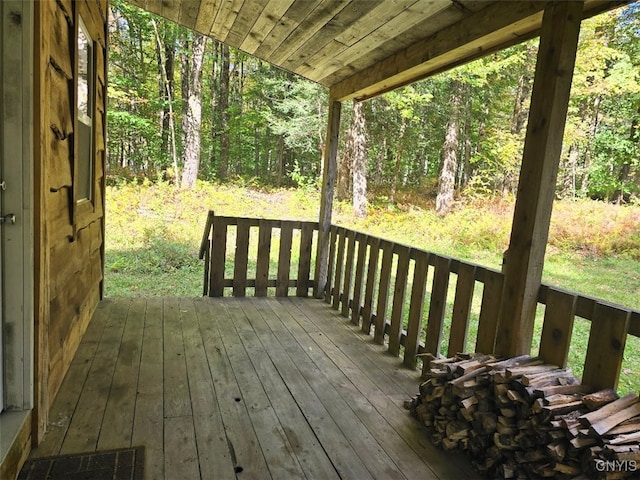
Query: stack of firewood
point(522, 418)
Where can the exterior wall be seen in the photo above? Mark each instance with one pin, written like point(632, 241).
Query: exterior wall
point(69, 233)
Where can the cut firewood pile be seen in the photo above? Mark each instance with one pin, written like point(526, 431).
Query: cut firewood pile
point(521, 418)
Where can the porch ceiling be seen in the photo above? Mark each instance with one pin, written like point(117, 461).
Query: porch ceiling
point(361, 48)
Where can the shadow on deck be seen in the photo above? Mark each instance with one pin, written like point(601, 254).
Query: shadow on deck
point(242, 388)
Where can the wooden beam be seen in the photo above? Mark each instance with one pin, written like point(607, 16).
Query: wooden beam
point(543, 145)
point(471, 38)
point(329, 172)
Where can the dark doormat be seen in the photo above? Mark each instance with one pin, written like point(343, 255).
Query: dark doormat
point(122, 464)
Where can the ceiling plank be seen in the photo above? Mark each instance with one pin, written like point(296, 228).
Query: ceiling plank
point(225, 17)
point(171, 10)
point(269, 17)
point(497, 24)
point(381, 14)
point(244, 22)
point(329, 60)
point(347, 16)
point(306, 27)
point(206, 15)
point(189, 13)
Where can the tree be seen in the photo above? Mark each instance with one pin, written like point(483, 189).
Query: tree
point(192, 119)
point(355, 156)
point(446, 181)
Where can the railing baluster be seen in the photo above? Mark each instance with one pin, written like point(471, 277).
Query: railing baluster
point(488, 321)
point(461, 309)
point(241, 258)
point(361, 240)
point(399, 293)
point(607, 339)
point(348, 271)
point(372, 271)
point(333, 244)
point(416, 307)
point(437, 305)
point(383, 290)
point(264, 252)
point(342, 234)
point(558, 327)
point(284, 259)
point(304, 264)
point(218, 256)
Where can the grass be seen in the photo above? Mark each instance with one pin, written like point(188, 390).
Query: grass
point(153, 234)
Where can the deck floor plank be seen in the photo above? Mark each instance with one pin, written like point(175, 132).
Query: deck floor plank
point(252, 388)
point(243, 444)
point(148, 422)
point(213, 448)
point(84, 429)
point(277, 451)
point(71, 389)
point(307, 447)
point(368, 449)
point(121, 404)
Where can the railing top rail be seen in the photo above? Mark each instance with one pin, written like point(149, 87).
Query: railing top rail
point(256, 222)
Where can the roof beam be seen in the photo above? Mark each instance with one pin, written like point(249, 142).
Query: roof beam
point(472, 37)
point(493, 28)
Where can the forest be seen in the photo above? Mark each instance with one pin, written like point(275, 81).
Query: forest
point(184, 107)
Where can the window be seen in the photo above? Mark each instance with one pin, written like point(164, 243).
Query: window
point(85, 108)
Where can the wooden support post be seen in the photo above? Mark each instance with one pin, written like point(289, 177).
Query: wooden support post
point(329, 173)
point(543, 145)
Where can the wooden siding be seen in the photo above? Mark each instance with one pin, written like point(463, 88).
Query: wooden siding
point(69, 234)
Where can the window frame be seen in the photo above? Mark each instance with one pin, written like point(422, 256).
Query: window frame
point(84, 124)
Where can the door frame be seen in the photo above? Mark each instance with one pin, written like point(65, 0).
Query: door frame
point(17, 241)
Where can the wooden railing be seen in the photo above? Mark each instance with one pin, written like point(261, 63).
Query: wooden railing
point(382, 286)
point(275, 240)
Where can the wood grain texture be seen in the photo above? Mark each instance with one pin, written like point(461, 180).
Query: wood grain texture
point(605, 350)
point(524, 259)
point(399, 294)
point(559, 314)
point(465, 286)
point(437, 305)
point(276, 388)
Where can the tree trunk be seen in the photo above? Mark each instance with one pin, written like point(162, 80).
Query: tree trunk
point(223, 111)
point(169, 92)
point(169, 67)
point(344, 186)
point(446, 181)
point(396, 170)
point(356, 141)
point(192, 120)
point(593, 128)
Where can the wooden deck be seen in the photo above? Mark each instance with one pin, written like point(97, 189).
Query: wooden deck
point(218, 388)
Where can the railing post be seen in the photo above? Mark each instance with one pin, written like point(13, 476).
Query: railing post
point(536, 191)
point(329, 172)
point(218, 257)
